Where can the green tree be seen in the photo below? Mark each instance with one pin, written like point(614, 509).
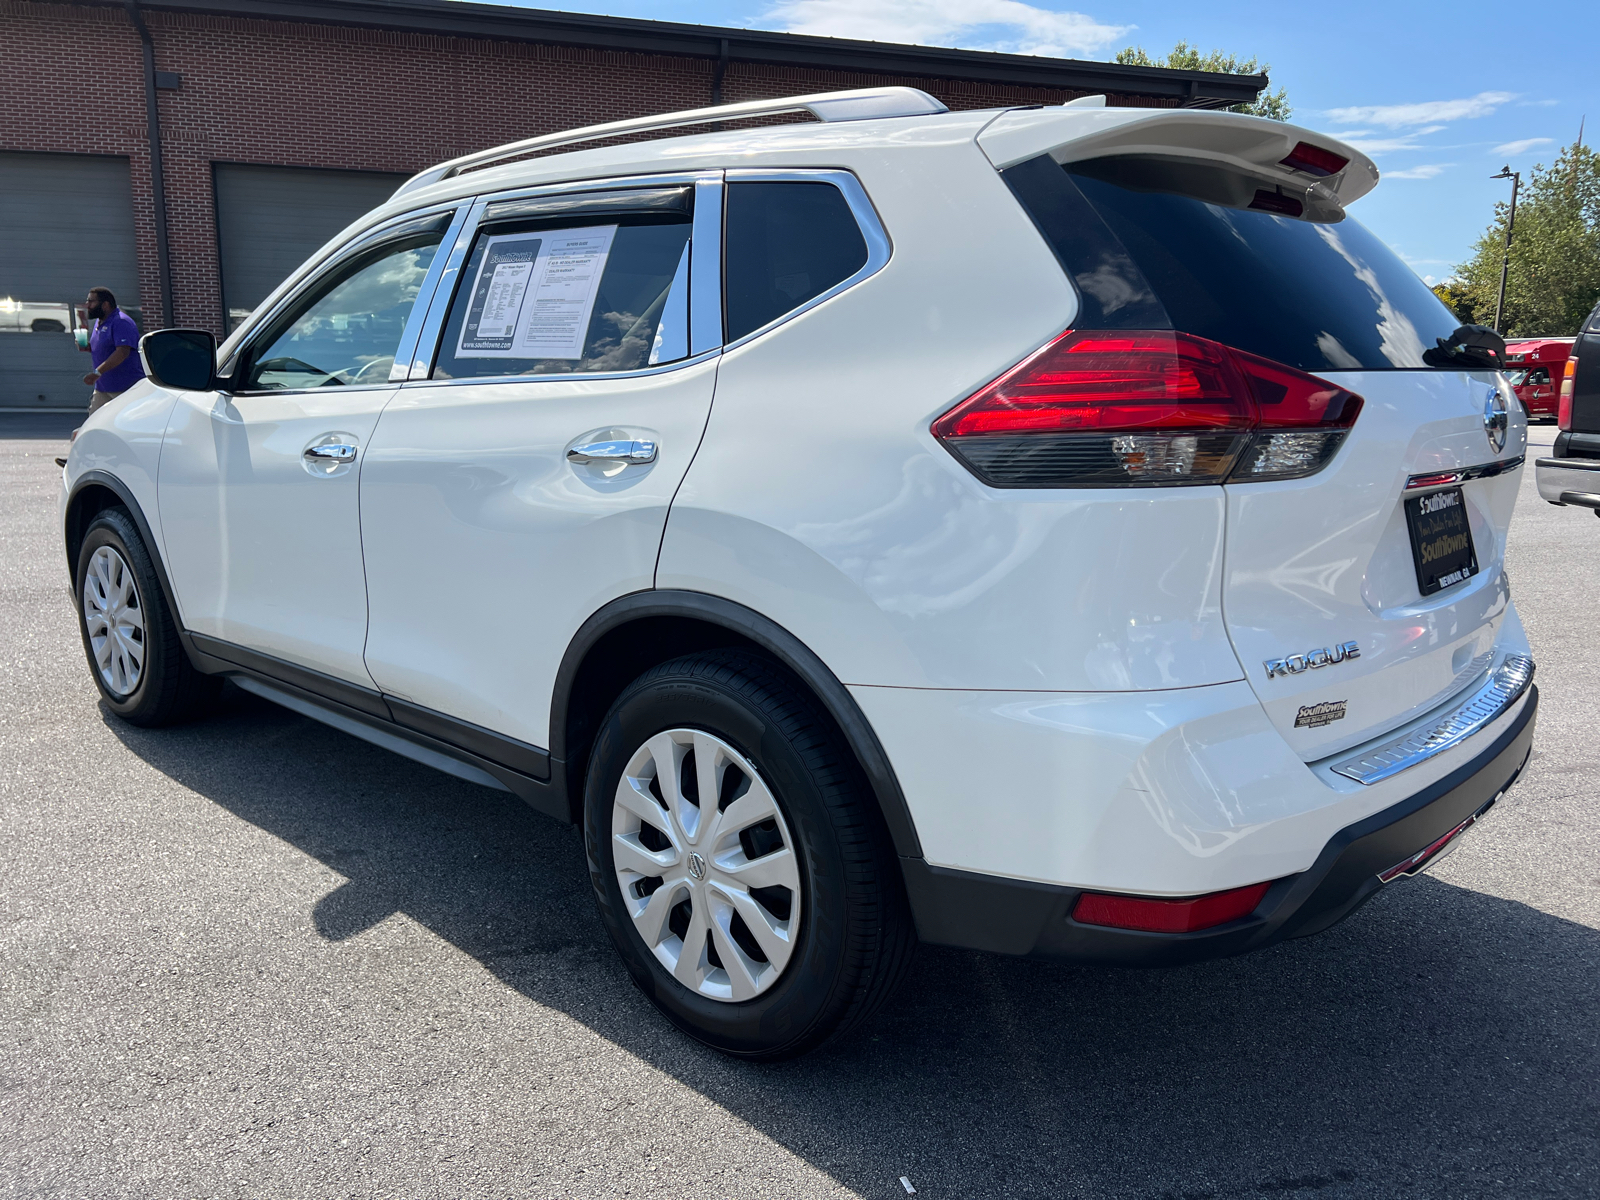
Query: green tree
point(1554, 275)
point(1459, 301)
point(1184, 57)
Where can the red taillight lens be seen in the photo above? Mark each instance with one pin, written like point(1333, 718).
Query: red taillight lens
point(1168, 916)
point(1314, 160)
point(1153, 380)
point(1112, 409)
point(1569, 375)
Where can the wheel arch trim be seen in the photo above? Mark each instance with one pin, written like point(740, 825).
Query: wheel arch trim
point(124, 493)
point(770, 637)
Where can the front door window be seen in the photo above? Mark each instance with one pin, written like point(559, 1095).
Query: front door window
point(347, 330)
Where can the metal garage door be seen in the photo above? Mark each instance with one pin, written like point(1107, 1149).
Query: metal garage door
point(66, 225)
point(271, 219)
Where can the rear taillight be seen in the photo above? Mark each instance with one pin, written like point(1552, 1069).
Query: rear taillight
point(1569, 376)
point(1153, 407)
point(1168, 916)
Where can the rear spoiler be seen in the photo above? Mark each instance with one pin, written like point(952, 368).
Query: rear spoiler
point(1321, 169)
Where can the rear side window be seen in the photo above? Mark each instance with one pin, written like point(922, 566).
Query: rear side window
point(1318, 295)
point(786, 244)
point(586, 295)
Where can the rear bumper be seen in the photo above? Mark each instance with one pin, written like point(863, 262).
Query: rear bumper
point(985, 912)
point(1569, 480)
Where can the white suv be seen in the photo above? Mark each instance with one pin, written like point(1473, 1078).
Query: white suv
point(1051, 531)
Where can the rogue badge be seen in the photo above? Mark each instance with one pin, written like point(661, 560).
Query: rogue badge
point(1311, 660)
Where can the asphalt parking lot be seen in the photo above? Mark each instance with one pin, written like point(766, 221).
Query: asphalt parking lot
point(255, 957)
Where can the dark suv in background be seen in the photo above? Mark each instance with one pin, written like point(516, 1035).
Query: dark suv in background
point(1572, 474)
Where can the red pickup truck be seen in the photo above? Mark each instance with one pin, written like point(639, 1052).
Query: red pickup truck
point(1534, 366)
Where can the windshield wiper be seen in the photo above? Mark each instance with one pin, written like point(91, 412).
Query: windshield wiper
point(1476, 347)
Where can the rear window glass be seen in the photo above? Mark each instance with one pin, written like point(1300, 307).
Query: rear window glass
point(1318, 295)
point(787, 243)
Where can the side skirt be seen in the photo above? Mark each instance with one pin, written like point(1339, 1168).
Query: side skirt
point(455, 747)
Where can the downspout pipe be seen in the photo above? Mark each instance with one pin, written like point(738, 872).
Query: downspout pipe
point(158, 181)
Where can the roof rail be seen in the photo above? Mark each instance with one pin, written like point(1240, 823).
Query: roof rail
point(861, 104)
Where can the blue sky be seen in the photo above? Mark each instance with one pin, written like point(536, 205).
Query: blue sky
point(1441, 95)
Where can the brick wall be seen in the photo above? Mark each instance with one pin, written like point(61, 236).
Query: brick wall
point(292, 94)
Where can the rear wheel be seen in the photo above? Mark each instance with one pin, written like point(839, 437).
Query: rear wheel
point(738, 859)
point(129, 634)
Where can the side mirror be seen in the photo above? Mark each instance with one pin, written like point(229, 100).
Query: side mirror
point(185, 359)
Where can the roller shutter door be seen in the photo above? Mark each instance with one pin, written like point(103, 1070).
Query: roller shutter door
point(271, 219)
point(66, 225)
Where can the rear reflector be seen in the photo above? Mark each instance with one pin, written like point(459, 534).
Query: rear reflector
point(1314, 160)
point(1168, 916)
point(1146, 407)
point(1569, 377)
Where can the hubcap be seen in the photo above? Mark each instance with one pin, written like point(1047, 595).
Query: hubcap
point(706, 865)
point(115, 620)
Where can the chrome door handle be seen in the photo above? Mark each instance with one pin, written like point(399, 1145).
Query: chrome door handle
point(339, 452)
point(622, 452)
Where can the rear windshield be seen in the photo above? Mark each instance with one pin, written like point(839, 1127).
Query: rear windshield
point(1318, 295)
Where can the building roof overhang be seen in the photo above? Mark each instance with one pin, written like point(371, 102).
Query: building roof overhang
point(1197, 89)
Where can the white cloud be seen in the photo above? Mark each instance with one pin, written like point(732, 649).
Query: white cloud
point(1382, 145)
point(1521, 146)
point(1428, 112)
point(1007, 25)
point(1425, 171)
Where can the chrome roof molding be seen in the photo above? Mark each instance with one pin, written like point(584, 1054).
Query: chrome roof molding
point(860, 104)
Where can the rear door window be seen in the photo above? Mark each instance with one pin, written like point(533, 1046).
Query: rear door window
point(786, 243)
point(1153, 246)
point(598, 291)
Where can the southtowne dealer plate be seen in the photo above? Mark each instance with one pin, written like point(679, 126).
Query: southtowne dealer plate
point(1441, 541)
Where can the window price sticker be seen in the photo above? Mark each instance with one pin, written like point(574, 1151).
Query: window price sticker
point(534, 294)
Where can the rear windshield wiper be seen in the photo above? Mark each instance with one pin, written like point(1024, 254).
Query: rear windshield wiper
point(1475, 347)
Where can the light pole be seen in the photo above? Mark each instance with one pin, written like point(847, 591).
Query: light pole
point(1505, 258)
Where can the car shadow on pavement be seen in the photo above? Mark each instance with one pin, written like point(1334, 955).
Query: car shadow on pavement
point(1441, 1042)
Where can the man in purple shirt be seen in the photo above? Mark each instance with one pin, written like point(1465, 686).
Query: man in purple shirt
point(114, 347)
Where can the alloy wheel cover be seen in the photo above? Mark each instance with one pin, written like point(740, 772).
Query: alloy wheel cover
point(114, 619)
point(706, 865)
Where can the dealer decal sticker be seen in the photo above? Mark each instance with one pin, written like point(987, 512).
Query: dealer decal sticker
point(1314, 716)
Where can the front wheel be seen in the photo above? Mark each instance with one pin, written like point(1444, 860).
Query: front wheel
point(738, 859)
point(129, 634)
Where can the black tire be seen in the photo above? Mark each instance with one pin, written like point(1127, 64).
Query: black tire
point(855, 936)
point(168, 689)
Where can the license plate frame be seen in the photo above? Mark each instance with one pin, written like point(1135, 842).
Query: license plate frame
point(1442, 549)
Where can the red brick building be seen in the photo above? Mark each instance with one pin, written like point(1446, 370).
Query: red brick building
point(281, 120)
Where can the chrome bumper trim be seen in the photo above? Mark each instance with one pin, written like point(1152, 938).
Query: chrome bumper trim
point(1557, 477)
point(1499, 692)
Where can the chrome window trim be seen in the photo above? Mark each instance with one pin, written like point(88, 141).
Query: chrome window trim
point(879, 247)
point(575, 376)
point(705, 266)
point(310, 273)
point(1490, 701)
point(405, 355)
point(439, 307)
